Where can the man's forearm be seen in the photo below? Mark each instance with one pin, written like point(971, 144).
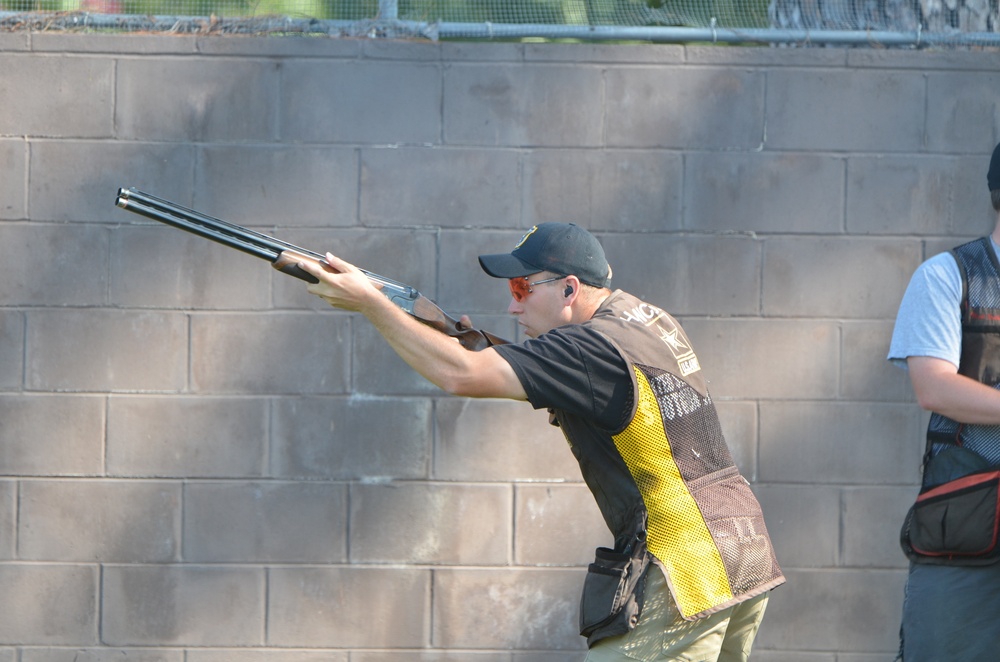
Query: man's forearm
point(440, 359)
point(437, 357)
point(939, 388)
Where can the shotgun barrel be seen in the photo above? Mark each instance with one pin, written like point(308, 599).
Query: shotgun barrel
point(285, 257)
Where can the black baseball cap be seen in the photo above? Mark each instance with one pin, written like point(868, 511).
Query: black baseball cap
point(993, 176)
point(562, 248)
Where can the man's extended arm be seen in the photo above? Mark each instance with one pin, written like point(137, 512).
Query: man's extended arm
point(939, 388)
point(435, 356)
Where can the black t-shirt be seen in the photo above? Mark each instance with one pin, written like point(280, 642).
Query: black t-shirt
point(576, 370)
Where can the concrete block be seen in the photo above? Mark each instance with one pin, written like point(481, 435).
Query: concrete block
point(14, 164)
point(196, 99)
point(99, 521)
point(906, 58)
point(754, 56)
point(308, 47)
point(57, 192)
point(163, 267)
point(798, 274)
point(543, 656)
point(464, 286)
point(688, 274)
point(961, 111)
point(804, 523)
point(265, 655)
point(866, 374)
point(186, 437)
point(359, 102)
point(437, 524)
point(318, 438)
point(51, 435)
point(381, 372)
point(604, 190)
point(22, 283)
point(11, 349)
point(808, 613)
point(405, 255)
point(122, 43)
point(55, 604)
point(385, 373)
point(934, 245)
point(871, 522)
point(763, 192)
point(292, 185)
point(902, 194)
point(684, 107)
point(760, 655)
point(972, 212)
point(508, 609)
point(167, 606)
point(752, 358)
point(827, 443)
point(436, 656)
point(482, 51)
point(739, 427)
point(406, 50)
point(349, 607)
point(602, 53)
point(265, 522)
point(289, 353)
point(557, 525)
point(16, 41)
point(516, 106)
point(100, 655)
point(8, 519)
point(36, 93)
point(118, 343)
point(499, 440)
point(841, 110)
point(449, 187)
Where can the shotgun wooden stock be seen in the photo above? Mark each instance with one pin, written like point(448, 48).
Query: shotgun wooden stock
point(286, 257)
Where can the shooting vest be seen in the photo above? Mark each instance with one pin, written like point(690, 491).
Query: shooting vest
point(980, 359)
point(672, 469)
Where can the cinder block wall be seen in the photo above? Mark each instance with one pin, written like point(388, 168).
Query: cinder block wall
point(201, 463)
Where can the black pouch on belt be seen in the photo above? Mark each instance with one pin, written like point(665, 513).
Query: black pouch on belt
point(955, 522)
point(613, 592)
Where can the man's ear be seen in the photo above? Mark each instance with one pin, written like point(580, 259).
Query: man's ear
point(572, 285)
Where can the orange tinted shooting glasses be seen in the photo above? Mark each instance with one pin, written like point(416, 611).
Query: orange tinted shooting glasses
point(520, 288)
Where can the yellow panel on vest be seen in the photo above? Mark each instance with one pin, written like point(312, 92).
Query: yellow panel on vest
point(678, 535)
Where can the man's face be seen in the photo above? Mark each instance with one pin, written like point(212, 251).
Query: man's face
point(538, 303)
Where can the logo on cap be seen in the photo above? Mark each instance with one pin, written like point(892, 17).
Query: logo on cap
point(525, 237)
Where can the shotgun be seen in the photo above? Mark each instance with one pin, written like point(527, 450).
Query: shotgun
point(285, 258)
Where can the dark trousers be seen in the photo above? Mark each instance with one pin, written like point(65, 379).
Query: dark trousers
point(951, 613)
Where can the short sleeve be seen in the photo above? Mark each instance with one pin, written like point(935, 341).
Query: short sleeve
point(573, 369)
point(929, 321)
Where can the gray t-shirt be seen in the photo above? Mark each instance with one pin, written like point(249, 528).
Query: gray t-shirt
point(929, 321)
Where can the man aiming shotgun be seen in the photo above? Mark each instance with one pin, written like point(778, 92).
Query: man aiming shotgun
point(692, 564)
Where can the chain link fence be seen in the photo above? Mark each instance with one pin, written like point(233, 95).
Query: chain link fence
point(881, 23)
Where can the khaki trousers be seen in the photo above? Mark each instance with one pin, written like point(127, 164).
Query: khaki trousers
point(662, 635)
